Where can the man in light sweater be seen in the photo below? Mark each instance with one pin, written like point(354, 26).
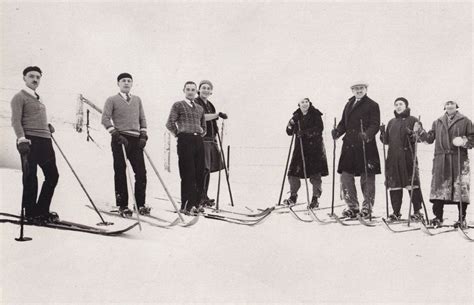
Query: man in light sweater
point(34, 143)
point(186, 122)
point(124, 118)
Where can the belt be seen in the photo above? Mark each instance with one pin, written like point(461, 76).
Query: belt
point(188, 134)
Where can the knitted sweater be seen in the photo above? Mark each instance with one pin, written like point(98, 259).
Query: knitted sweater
point(126, 117)
point(186, 119)
point(29, 116)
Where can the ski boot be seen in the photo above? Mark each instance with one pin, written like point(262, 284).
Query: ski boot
point(314, 203)
point(395, 217)
point(206, 202)
point(436, 222)
point(350, 213)
point(144, 210)
point(52, 217)
point(291, 200)
point(125, 212)
point(196, 211)
point(462, 225)
point(364, 213)
point(417, 216)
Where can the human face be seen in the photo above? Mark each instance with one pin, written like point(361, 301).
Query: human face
point(125, 84)
point(359, 91)
point(205, 91)
point(190, 91)
point(304, 105)
point(32, 79)
point(400, 107)
point(450, 107)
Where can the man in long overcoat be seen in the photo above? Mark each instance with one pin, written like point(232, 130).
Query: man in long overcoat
point(359, 125)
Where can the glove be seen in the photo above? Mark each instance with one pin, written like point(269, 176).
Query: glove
point(382, 130)
point(295, 118)
point(23, 148)
point(459, 141)
point(119, 139)
point(364, 137)
point(142, 139)
point(334, 134)
point(51, 128)
point(223, 115)
point(417, 127)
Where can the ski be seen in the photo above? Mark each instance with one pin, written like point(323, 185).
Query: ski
point(68, 226)
point(283, 209)
point(425, 229)
point(343, 220)
point(260, 214)
point(151, 223)
point(464, 234)
point(238, 221)
point(364, 222)
point(298, 217)
point(388, 227)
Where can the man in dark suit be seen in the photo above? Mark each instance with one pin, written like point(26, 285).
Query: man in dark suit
point(360, 109)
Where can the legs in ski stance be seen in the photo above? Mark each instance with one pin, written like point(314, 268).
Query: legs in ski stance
point(295, 184)
point(349, 193)
point(42, 155)
point(135, 156)
point(191, 170)
point(208, 148)
point(438, 211)
point(396, 197)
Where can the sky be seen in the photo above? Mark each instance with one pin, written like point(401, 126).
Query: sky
point(262, 57)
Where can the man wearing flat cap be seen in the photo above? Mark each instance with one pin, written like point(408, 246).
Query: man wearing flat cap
point(124, 118)
point(34, 143)
point(360, 109)
point(212, 154)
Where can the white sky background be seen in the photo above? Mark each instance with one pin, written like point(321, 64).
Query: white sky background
point(262, 57)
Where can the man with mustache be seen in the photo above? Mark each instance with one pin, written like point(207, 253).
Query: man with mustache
point(124, 118)
point(354, 160)
point(34, 143)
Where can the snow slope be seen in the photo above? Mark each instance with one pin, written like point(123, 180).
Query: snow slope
point(279, 261)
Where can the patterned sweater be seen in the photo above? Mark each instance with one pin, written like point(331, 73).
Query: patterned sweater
point(29, 116)
point(186, 119)
point(126, 117)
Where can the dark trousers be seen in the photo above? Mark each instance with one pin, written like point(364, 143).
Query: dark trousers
point(349, 191)
point(396, 197)
point(191, 169)
point(42, 155)
point(135, 155)
point(438, 209)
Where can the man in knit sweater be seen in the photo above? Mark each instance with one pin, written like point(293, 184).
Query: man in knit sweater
point(33, 134)
point(212, 154)
point(124, 118)
point(186, 121)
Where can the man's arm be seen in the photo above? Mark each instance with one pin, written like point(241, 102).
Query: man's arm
point(17, 115)
point(107, 116)
point(172, 119)
point(142, 118)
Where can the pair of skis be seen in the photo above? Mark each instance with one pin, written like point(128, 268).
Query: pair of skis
point(67, 225)
point(243, 219)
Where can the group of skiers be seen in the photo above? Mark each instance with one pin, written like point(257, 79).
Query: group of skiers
point(193, 121)
point(452, 133)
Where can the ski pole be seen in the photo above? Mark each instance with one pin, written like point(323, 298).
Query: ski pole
point(163, 184)
point(365, 167)
point(385, 172)
point(25, 168)
point(304, 165)
point(218, 185)
point(228, 159)
point(333, 171)
point(105, 223)
point(413, 176)
point(225, 167)
point(131, 187)
point(460, 185)
point(286, 169)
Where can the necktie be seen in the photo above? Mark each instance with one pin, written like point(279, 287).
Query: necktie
point(37, 96)
point(128, 97)
point(192, 104)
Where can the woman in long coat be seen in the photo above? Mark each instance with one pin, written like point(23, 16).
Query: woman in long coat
point(399, 164)
point(307, 124)
point(448, 185)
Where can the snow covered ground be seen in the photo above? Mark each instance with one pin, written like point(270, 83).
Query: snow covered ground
point(281, 260)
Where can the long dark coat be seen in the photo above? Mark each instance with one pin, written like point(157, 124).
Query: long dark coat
point(313, 145)
point(352, 155)
point(445, 182)
point(401, 144)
